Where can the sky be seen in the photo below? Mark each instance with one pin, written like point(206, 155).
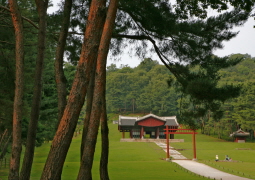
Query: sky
point(243, 43)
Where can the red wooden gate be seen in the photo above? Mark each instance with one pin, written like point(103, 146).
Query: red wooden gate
point(181, 131)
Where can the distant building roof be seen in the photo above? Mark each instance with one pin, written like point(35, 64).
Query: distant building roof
point(240, 133)
point(171, 121)
point(130, 121)
point(127, 121)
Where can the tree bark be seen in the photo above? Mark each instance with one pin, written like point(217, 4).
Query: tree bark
point(3, 137)
point(37, 93)
point(67, 125)
point(59, 71)
point(105, 144)
point(104, 124)
point(99, 95)
point(5, 140)
point(19, 91)
point(88, 108)
point(59, 63)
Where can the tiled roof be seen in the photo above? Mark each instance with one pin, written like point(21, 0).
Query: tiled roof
point(171, 121)
point(127, 121)
point(130, 121)
point(150, 115)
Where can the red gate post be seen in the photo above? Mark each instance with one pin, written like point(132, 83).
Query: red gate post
point(167, 143)
point(194, 145)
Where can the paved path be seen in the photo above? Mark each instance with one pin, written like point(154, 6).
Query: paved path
point(199, 168)
point(207, 171)
point(173, 153)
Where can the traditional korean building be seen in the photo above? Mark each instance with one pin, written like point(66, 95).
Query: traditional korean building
point(240, 135)
point(150, 126)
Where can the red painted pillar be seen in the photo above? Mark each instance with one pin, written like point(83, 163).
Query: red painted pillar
point(194, 145)
point(141, 132)
point(157, 133)
point(167, 143)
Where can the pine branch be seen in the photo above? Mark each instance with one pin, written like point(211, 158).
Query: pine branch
point(161, 56)
point(28, 20)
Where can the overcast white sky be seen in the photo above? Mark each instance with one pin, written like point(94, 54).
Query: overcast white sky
point(243, 43)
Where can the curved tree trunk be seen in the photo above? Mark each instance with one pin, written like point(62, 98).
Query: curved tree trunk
point(104, 125)
point(67, 125)
point(105, 144)
point(37, 93)
point(88, 108)
point(19, 91)
point(3, 137)
point(99, 95)
point(59, 71)
point(4, 143)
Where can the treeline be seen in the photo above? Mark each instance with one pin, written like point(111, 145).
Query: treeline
point(145, 89)
point(238, 112)
point(142, 89)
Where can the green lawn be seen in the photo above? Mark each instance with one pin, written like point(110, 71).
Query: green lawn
point(140, 161)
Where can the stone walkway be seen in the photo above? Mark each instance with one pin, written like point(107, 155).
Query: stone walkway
point(207, 171)
point(199, 168)
point(173, 153)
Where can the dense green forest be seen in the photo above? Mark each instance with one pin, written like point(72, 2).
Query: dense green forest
point(145, 89)
point(141, 90)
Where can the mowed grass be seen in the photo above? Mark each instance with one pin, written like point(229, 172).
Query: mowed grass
point(127, 160)
point(242, 154)
point(140, 161)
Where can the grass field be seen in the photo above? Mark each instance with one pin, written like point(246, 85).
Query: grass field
point(140, 161)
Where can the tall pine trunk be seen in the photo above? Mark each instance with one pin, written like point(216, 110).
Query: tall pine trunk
point(108, 28)
point(89, 101)
point(67, 125)
point(59, 63)
point(37, 93)
point(59, 71)
point(19, 91)
point(98, 96)
point(105, 144)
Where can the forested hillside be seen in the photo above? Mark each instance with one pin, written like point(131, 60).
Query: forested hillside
point(238, 112)
point(145, 89)
point(142, 89)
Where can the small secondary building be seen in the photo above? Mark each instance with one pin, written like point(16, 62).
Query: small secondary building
point(149, 126)
point(240, 135)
